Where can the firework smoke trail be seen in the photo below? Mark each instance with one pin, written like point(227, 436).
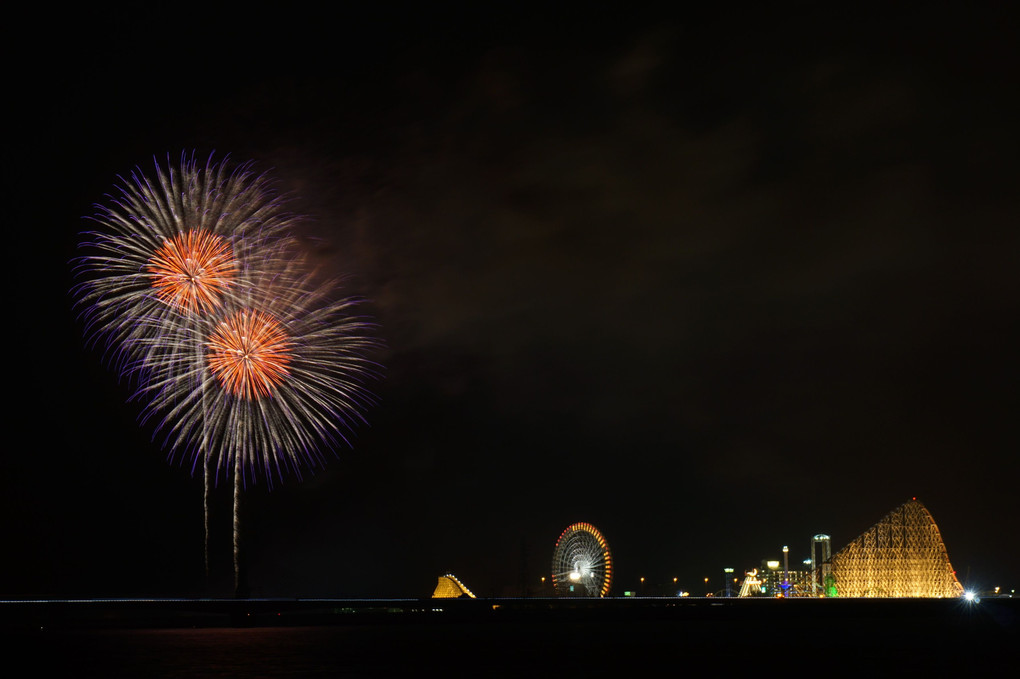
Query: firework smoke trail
point(284, 379)
point(168, 251)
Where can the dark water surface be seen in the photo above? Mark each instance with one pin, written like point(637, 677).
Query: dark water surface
point(540, 640)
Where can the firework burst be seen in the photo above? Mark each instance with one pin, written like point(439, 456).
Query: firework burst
point(248, 354)
point(170, 248)
point(192, 271)
point(283, 378)
point(192, 287)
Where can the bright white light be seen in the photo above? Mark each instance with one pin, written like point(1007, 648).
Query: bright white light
point(575, 576)
point(969, 596)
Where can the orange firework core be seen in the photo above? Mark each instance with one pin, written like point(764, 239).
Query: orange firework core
point(192, 270)
point(249, 353)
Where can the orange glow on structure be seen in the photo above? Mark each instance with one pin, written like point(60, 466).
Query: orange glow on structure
point(249, 353)
point(192, 270)
point(900, 556)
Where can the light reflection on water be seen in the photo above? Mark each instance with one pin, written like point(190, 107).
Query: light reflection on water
point(224, 652)
point(329, 651)
point(233, 652)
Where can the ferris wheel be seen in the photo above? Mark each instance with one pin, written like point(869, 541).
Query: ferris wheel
point(582, 564)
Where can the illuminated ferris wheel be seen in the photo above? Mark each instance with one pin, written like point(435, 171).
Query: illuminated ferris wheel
point(582, 564)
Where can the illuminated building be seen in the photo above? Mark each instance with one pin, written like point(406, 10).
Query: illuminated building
point(768, 580)
point(772, 578)
point(900, 556)
point(822, 580)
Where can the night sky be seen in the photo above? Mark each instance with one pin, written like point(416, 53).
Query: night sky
point(713, 282)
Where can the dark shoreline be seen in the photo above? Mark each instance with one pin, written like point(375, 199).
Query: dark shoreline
point(1000, 612)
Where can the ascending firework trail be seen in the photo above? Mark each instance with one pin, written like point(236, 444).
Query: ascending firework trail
point(193, 286)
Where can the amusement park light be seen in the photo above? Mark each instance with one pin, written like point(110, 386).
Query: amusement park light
point(582, 557)
point(970, 596)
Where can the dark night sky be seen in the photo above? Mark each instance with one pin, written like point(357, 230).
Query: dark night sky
point(713, 282)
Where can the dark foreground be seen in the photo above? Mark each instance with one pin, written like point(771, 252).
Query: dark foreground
point(511, 637)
